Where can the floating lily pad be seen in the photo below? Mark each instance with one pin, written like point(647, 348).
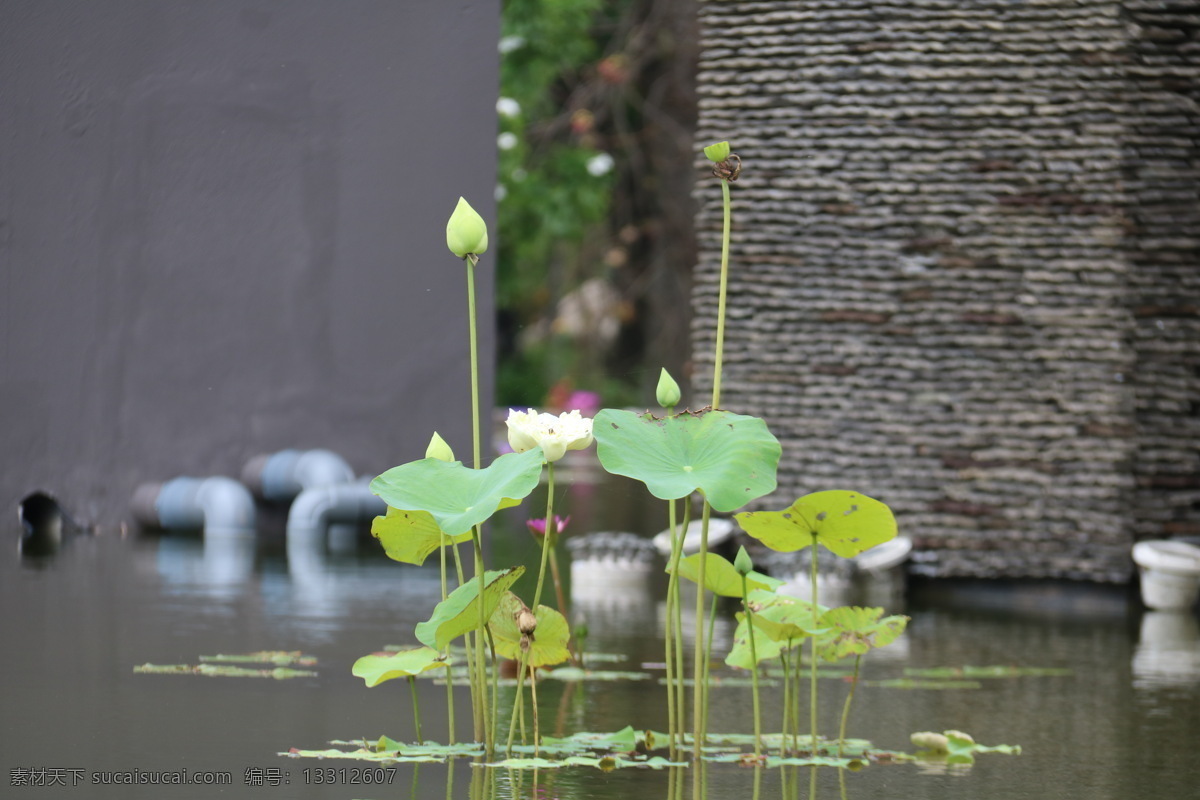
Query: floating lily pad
point(847, 523)
point(456, 497)
point(400, 754)
point(911, 683)
point(955, 747)
point(411, 536)
point(575, 674)
point(721, 578)
point(986, 672)
point(730, 458)
point(215, 671)
point(280, 658)
point(459, 613)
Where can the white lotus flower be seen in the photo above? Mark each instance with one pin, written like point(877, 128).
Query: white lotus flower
point(555, 435)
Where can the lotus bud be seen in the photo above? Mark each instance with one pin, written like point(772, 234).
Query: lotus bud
point(466, 232)
point(667, 393)
point(742, 562)
point(439, 449)
point(717, 152)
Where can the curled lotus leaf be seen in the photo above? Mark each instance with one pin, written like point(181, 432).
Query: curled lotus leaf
point(376, 668)
point(720, 577)
point(411, 536)
point(459, 613)
point(458, 497)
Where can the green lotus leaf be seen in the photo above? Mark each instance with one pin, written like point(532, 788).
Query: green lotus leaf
point(377, 668)
point(548, 644)
point(784, 618)
point(855, 630)
point(730, 458)
point(720, 577)
point(411, 536)
point(845, 522)
point(459, 613)
point(740, 654)
point(457, 497)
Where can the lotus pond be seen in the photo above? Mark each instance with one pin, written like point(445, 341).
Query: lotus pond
point(1102, 698)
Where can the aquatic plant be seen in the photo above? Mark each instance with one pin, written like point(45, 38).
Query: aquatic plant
point(722, 459)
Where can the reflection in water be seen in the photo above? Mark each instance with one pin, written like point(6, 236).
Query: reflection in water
point(1127, 708)
point(1168, 650)
point(213, 566)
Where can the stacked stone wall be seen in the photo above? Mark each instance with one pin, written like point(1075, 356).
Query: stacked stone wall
point(963, 266)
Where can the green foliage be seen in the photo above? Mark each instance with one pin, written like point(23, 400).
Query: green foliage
point(380, 667)
point(784, 618)
point(765, 647)
point(846, 523)
point(411, 536)
point(854, 631)
point(955, 747)
point(459, 613)
point(457, 497)
point(729, 458)
point(546, 646)
point(720, 577)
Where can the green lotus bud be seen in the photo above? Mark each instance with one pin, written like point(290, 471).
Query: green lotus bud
point(466, 232)
point(439, 449)
point(668, 390)
point(717, 152)
point(742, 562)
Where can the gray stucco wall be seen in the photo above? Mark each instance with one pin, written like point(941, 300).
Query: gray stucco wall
point(965, 266)
point(222, 234)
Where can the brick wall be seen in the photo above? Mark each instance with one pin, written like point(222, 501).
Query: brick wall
point(964, 273)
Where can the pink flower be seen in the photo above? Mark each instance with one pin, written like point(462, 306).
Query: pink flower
point(538, 526)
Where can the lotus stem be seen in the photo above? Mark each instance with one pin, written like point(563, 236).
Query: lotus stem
point(846, 708)
point(712, 620)
point(669, 639)
point(518, 704)
point(718, 356)
point(537, 733)
point(482, 729)
point(698, 652)
point(681, 705)
point(412, 685)
point(812, 682)
point(551, 528)
point(753, 679)
point(787, 699)
point(449, 680)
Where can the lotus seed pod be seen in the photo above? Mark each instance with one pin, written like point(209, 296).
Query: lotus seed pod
point(526, 622)
point(667, 392)
point(439, 449)
point(466, 232)
point(742, 562)
point(717, 152)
